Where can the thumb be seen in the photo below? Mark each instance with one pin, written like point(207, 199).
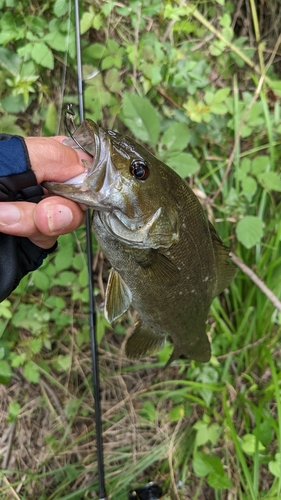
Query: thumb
point(51, 160)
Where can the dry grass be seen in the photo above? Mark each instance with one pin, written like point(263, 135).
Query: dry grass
point(55, 430)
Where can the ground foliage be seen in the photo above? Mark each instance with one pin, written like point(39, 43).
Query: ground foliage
point(199, 84)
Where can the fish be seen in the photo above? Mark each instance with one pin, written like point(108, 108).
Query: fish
point(167, 259)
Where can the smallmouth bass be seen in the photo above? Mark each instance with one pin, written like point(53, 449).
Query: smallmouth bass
point(167, 259)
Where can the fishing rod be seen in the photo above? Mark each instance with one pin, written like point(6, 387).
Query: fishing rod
point(92, 309)
point(151, 491)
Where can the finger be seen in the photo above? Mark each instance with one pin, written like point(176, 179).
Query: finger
point(41, 223)
point(51, 160)
point(55, 215)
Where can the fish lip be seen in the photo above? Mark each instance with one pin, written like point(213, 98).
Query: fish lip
point(78, 181)
point(97, 178)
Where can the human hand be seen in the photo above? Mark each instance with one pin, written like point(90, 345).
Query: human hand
point(42, 223)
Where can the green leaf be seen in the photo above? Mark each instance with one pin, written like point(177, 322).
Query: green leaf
point(41, 280)
point(97, 23)
point(264, 433)
point(141, 118)
point(206, 432)
point(221, 95)
point(42, 55)
point(86, 21)
point(8, 125)
point(56, 40)
point(201, 464)
point(165, 353)
point(249, 444)
point(176, 413)
point(83, 277)
point(112, 80)
point(10, 61)
point(184, 164)
point(260, 164)
point(249, 231)
point(97, 50)
point(108, 62)
point(175, 138)
point(64, 258)
point(72, 408)
point(51, 119)
point(270, 181)
point(112, 45)
point(60, 8)
point(35, 345)
point(79, 261)
point(202, 435)
point(62, 363)
point(107, 8)
point(14, 409)
point(102, 324)
point(217, 47)
point(18, 360)
point(275, 465)
point(227, 33)
point(56, 302)
point(65, 278)
point(5, 310)
point(5, 372)
point(219, 481)
point(148, 411)
point(225, 20)
point(249, 185)
point(31, 372)
point(218, 108)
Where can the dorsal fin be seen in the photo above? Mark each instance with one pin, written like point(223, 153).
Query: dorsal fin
point(226, 271)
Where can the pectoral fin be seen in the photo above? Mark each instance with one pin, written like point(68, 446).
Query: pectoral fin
point(225, 270)
point(118, 297)
point(144, 342)
point(157, 267)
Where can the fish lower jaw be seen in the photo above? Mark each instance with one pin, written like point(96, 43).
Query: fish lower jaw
point(77, 180)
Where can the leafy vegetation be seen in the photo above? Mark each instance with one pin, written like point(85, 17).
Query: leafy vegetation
point(199, 84)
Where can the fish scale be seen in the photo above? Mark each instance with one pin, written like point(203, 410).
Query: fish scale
point(167, 260)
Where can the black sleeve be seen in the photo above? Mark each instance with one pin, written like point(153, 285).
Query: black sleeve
point(18, 255)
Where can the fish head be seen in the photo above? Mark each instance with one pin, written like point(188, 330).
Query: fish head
point(131, 189)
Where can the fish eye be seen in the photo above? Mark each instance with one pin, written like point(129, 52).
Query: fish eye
point(139, 169)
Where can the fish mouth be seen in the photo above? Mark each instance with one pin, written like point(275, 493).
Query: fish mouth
point(87, 138)
point(77, 180)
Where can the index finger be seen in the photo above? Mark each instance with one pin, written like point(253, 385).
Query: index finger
point(51, 160)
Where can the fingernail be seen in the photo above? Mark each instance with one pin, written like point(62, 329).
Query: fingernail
point(59, 217)
point(9, 214)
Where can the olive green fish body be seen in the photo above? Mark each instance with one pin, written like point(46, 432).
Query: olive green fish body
point(169, 294)
point(167, 260)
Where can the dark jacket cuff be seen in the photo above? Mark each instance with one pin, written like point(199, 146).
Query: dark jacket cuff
point(18, 256)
